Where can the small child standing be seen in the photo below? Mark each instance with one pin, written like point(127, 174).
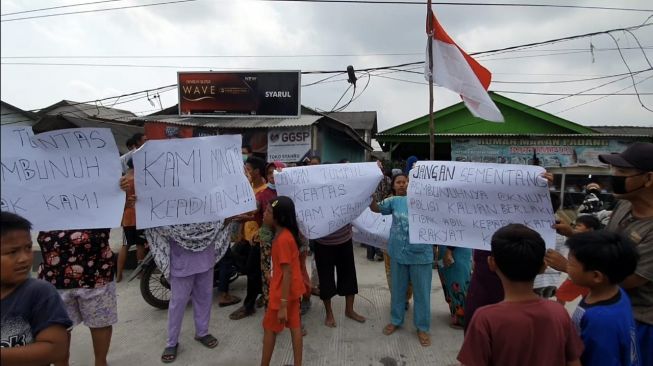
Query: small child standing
point(568, 291)
point(523, 329)
point(286, 283)
point(600, 260)
point(34, 320)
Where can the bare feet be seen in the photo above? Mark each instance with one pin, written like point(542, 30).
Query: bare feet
point(355, 316)
point(330, 321)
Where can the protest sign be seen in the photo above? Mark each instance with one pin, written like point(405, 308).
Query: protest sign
point(463, 204)
point(63, 179)
point(372, 229)
point(191, 180)
point(328, 197)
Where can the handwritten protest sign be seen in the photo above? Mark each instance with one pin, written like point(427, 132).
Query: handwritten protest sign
point(328, 197)
point(463, 204)
point(372, 229)
point(63, 179)
point(191, 180)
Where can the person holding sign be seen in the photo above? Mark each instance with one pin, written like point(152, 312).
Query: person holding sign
point(409, 263)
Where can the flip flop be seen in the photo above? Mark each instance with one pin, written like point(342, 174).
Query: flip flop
point(208, 341)
point(389, 329)
point(169, 354)
point(424, 339)
point(240, 314)
point(234, 300)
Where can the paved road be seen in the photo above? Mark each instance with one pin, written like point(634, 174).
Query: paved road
point(139, 336)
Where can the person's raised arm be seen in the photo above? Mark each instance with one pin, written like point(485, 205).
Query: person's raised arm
point(51, 346)
point(374, 206)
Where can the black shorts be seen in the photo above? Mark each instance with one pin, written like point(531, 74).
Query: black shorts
point(336, 259)
point(133, 236)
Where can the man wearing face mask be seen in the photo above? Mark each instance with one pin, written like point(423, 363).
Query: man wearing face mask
point(632, 184)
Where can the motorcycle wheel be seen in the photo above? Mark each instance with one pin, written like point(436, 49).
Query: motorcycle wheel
point(155, 289)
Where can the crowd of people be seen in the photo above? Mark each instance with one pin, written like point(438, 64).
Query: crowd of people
point(502, 298)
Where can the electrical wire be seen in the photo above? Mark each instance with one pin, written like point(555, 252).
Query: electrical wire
point(60, 7)
point(631, 73)
point(347, 2)
point(603, 97)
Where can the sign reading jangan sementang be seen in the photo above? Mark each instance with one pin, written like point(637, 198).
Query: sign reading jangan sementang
point(240, 93)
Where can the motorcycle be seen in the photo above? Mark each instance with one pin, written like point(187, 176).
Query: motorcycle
point(155, 288)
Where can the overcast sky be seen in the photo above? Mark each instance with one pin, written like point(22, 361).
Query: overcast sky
point(254, 28)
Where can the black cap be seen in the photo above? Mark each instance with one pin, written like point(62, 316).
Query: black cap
point(638, 156)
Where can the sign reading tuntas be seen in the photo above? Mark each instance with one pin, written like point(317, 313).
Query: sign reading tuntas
point(328, 197)
point(191, 180)
point(288, 145)
point(463, 204)
point(240, 93)
point(63, 179)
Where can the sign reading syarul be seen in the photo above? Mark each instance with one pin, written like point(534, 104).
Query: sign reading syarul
point(240, 93)
point(289, 145)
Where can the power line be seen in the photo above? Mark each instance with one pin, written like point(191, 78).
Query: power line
point(602, 97)
point(552, 53)
point(60, 7)
point(348, 2)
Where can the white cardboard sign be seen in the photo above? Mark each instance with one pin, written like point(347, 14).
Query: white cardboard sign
point(372, 229)
point(63, 179)
point(463, 204)
point(191, 180)
point(328, 197)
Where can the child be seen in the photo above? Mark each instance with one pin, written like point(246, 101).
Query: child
point(286, 284)
point(568, 291)
point(604, 317)
point(523, 329)
point(34, 320)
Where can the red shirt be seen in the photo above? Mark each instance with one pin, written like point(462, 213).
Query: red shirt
point(284, 251)
point(534, 333)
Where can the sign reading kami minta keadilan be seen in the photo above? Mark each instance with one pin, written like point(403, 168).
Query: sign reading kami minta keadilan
point(463, 204)
point(63, 179)
point(240, 93)
point(190, 180)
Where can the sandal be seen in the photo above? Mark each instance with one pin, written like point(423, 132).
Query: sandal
point(234, 300)
point(240, 314)
point(169, 354)
point(424, 339)
point(208, 341)
point(389, 329)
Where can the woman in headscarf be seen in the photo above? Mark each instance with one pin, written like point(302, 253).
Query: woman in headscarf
point(410, 163)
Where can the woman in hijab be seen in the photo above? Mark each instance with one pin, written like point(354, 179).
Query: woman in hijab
point(410, 162)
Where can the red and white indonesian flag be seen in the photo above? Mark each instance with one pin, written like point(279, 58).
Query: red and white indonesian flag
point(459, 72)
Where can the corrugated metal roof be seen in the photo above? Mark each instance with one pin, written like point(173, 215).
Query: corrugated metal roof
point(357, 120)
point(233, 122)
point(630, 130)
point(511, 135)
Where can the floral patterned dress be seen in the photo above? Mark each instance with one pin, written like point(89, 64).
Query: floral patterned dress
point(76, 258)
point(455, 282)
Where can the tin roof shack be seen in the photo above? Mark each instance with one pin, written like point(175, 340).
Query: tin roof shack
point(285, 139)
point(565, 148)
point(11, 115)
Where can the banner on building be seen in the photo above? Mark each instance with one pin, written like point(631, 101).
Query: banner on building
point(372, 229)
point(328, 197)
point(240, 93)
point(63, 179)
point(191, 180)
point(551, 152)
point(288, 145)
point(463, 204)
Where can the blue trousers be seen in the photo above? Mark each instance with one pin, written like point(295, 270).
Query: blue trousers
point(420, 275)
point(645, 340)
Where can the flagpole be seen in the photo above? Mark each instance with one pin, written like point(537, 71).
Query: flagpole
point(430, 61)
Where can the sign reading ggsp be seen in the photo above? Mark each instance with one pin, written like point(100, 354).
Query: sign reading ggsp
point(288, 144)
